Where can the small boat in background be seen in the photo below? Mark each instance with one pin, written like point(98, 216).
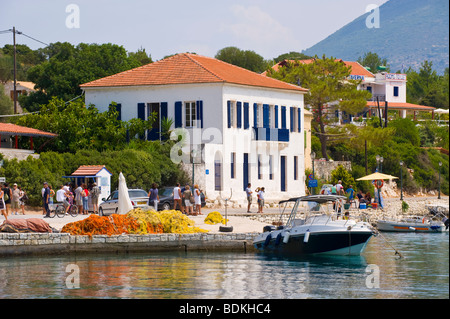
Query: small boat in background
point(411, 224)
point(318, 232)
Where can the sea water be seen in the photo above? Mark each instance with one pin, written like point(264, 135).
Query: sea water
point(422, 272)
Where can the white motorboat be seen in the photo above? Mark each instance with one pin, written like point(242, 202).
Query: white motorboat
point(318, 232)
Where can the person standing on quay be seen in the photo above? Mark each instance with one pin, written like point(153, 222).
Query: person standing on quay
point(85, 199)
point(197, 200)
point(95, 192)
point(261, 200)
point(248, 192)
point(177, 197)
point(2, 204)
point(45, 200)
point(78, 200)
point(7, 194)
point(153, 197)
point(15, 205)
point(187, 200)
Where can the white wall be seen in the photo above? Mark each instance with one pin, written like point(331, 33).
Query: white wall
point(219, 139)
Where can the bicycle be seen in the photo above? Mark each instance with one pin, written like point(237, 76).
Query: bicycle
point(60, 211)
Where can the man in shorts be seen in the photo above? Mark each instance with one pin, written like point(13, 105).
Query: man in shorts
point(15, 200)
point(248, 192)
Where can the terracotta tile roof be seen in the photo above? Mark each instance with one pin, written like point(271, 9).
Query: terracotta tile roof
point(13, 129)
point(189, 68)
point(357, 69)
point(88, 170)
point(402, 106)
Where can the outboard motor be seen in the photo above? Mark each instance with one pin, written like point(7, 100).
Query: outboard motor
point(446, 221)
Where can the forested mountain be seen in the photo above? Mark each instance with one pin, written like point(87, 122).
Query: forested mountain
point(410, 32)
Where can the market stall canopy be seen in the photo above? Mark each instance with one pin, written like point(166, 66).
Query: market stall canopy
point(376, 176)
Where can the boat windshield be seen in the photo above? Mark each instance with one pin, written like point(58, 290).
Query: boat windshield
point(314, 205)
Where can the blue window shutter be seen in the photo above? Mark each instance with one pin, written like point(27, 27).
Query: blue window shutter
point(299, 110)
point(141, 115)
point(266, 123)
point(292, 119)
point(141, 111)
point(255, 115)
point(283, 117)
point(164, 110)
point(246, 117)
point(229, 113)
point(178, 114)
point(118, 109)
point(239, 114)
point(199, 115)
point(276, 116)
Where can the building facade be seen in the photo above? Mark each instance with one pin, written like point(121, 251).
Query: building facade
point(236, 126)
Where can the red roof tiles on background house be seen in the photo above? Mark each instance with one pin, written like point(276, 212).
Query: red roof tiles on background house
point(88, 170)
point(188, 68)
point(13, 129)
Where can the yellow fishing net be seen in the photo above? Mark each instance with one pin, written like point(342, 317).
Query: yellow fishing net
point(215, 218)
point(136, 221)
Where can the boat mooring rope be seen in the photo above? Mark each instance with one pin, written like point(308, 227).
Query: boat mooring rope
point(377, 233)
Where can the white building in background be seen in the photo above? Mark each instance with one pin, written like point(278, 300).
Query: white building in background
point(239, 126)
point(385, 87)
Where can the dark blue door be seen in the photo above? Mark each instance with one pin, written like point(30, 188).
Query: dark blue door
point(245, 166)
point(283, 173)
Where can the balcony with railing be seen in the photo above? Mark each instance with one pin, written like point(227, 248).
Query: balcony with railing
point(380, 97)
point(271, 134)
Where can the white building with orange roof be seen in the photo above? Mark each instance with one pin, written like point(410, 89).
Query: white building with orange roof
point(238, 126)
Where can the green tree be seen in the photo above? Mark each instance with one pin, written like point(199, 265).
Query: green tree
point(6, 105)
point(67, 67)
point(372, 61)
point(291, 56)
point(141, 56)
point(81, 127)
point(248, 59)
point(328, 82)
point(426, 87)
point(341, 174)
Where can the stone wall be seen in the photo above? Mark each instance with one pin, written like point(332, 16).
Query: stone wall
point(62, 243)
point(323, 169)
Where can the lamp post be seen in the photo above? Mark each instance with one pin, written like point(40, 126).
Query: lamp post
point(401, 180)
point(313, 156)
point(381, 164)
point(378, 162)
point(439, 194)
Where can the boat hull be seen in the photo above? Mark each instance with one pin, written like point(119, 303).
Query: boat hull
point(347, 243)
point(391, 226)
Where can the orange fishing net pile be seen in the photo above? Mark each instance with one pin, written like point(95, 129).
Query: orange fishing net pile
point(111, 225)
point(136, 221)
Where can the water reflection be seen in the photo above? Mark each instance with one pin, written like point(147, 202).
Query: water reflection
point(423, 273)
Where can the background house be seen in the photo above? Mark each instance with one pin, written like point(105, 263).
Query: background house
point(239, 127)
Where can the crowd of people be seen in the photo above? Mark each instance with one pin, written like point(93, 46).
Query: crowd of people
point(12, 199)
point(186, 200)
point(68, 195)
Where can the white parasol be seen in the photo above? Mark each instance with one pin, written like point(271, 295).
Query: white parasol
point(376, 176)
point(124, 199)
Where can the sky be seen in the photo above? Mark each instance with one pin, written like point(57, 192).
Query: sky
point(162, 28)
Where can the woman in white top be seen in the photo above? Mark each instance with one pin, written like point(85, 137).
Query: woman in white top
point(261, 200)
point(177, 197)
point(197, 200)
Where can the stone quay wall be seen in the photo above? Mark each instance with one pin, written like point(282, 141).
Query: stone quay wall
point(62, 243)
